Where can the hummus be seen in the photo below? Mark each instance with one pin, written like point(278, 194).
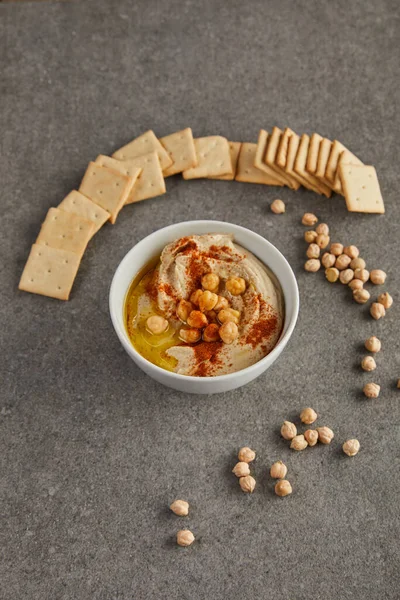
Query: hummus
point(182, 265)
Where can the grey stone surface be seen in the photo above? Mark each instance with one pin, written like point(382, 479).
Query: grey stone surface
point(92, 451)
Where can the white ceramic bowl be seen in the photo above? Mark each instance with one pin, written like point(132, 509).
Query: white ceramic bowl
point(151, 246)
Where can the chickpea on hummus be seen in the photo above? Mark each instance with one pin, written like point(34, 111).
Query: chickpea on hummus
point(208, 308)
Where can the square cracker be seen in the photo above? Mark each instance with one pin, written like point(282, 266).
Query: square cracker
point(234, 149)
point(181, 150)
point(147, 170)
point(294, 142)
point(50, 272)
point(213, 158)
point(322, 160)
point(247, 172)
point(78, 204)
point(313, 150)
point(65, 231)
point(144, 144)
point(347, 158)
point(361, 188)
point(332, 164)
point(300, 167)
point(271, 155)
point(284, 157)
point(274, 177)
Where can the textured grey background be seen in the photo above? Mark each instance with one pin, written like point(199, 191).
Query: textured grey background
point(91, 450)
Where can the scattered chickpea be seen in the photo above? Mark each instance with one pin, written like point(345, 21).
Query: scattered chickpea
point(221, 304)
point(246, 454)
point(336, 249)
point(308, 416)
point(190, 336)
point(197, 319)
point(184, 309)
point(278, 470)
point(208, 300)
point(332, 274)
point(328, 260)
point(351, 447)
point(180, 508)
point(228, 314)
point(357, 263)
point(228, 332)
point(283, 488)
point(377, 310)
point(210, 282)
point(309, 219)
point(247, 484)
point(361, 296)
point(373, 344)
point(156, 324)
point(236, 286)
point(371, 390)
point(322, 228)
point(195, 297)
point(313, 251)
point(322, 240)
point(184, 537)
point(278, 207)
point(211, 333)
point(377, 276)
point(241, 469)
point(325, 435)
point(288, 430)
point(351, 251)
point(346, 276)
point(356, 284)
point(299, 443)
point(362, 274)
point(310, 236)
point(342, 262)
point(386, 300)
point(368, 363)
point(312, 265)
point(311, 436)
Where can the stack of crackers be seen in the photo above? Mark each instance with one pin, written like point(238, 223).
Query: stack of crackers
point(138, 170)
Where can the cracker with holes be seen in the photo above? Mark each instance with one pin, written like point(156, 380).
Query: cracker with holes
point(65, 231)
point(144, 144)
point(213, 158)
point(300, 167)
point(361, 188)
point(345, 158)
point(273, 177)
point(271, 155)
point(247, 172)
point(313, 151)
point(50, 272)
point(77, 204)
point(181, 150)
point(234, 149)
point(107, 187)
point(147, 170)
point(294, 143)
point(332, 167)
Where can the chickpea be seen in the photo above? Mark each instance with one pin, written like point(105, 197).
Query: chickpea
point(377, 276)
point(197, 319)
point(283, 488)
point(241, 469)
point(346, 276)
point(325, 435)
point(332, 274)
point(322, 228)
point(361, 296)
point(195, 297)
point(386, 300)
point(278, 207)
point(246, 454)
point(356, 284)
point(313, 251)
point(308, 416)
point(210, 282)
point(156, 325)
point(207, 301)
point(211, 316)
point(311, 435)
point(180, 508)
point(228, 332)
point(288, 430)
point(184, 309)
point(336, 249)
point(298, 443)
point(368, 364)
point(322, 240)
point(312, 265)
point(377, 310)
point(236, 286)
point(342, 262)
point(328, 260)
point(357, 263)
point(351, 251)
point(373, 344)
point(221, 304)
point(247, 484)
point(351, 447)
point(362, 274)
point(211, 333)
point(309, 219)
point(228, 314)
point(184, 537)
point(371, 390)
point(310, 236)
point(278, 470)
point(190, 336)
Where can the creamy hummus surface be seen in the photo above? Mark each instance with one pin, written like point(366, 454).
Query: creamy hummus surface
point(260, 307)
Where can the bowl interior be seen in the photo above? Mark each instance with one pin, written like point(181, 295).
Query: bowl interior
point(151, 246)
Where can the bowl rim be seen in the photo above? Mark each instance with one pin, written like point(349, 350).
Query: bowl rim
point(269, 358)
